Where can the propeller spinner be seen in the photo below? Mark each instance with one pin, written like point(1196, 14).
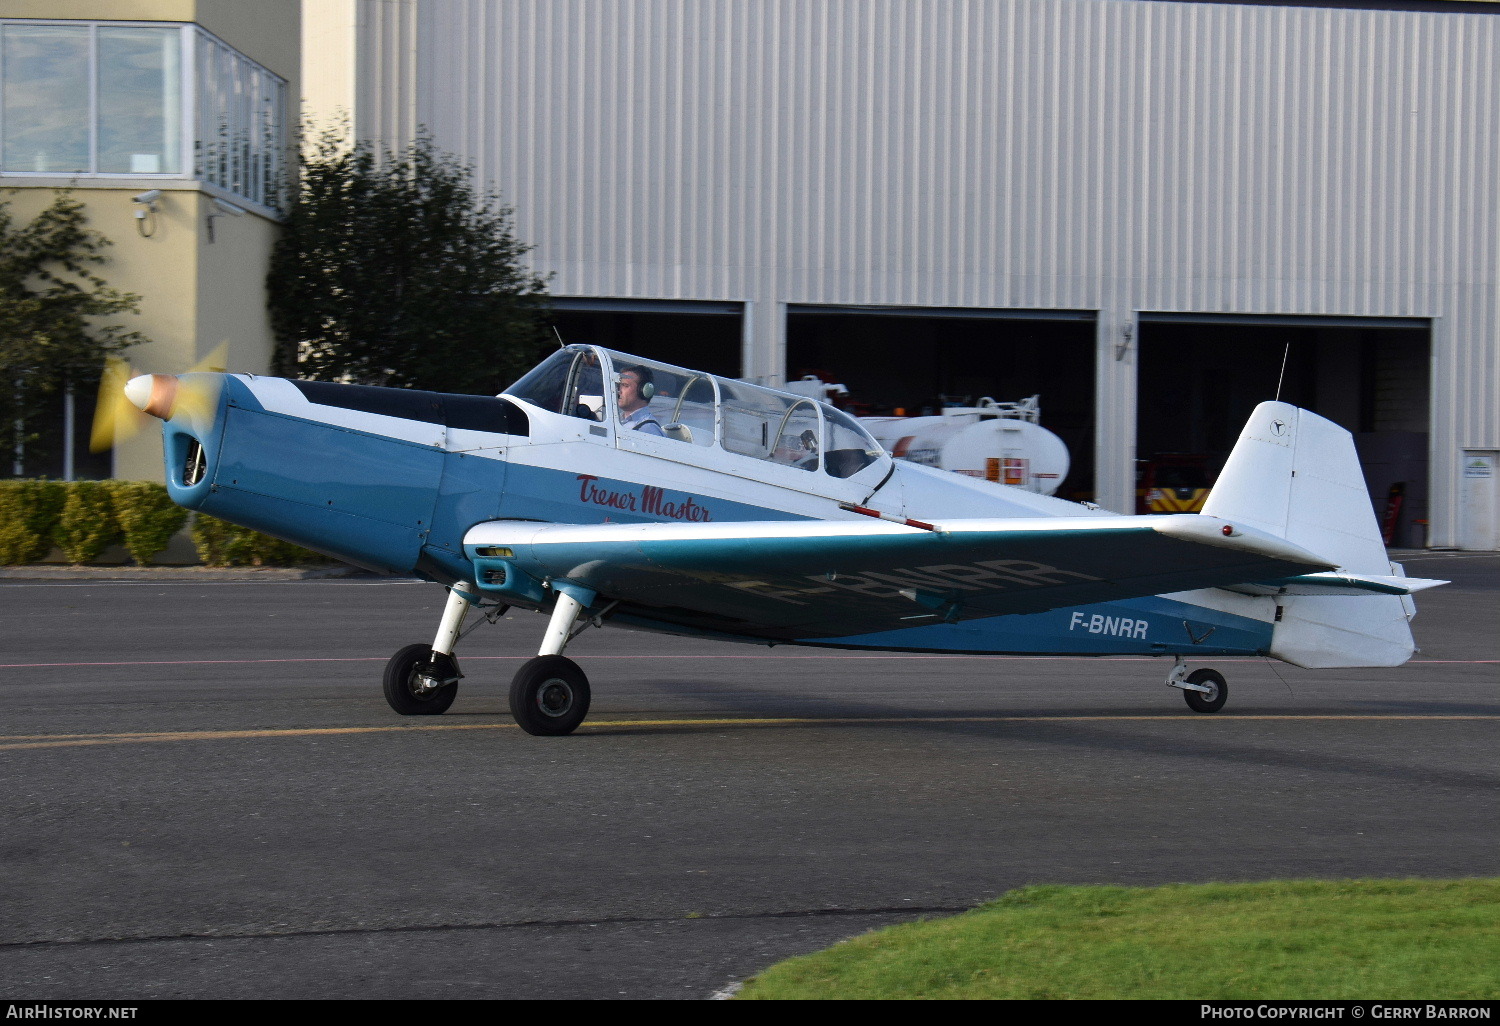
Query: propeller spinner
point(153, 394)
point(124, 396)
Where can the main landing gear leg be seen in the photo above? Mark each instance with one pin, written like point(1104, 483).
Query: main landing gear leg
point(550, 694)
point(422, 680)
point(1204, 690)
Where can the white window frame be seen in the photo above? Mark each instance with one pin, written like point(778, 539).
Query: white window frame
point(252, 183)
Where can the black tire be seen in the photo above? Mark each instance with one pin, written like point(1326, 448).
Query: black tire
point(402, 690)
point(549, 696)
point(1207, 703)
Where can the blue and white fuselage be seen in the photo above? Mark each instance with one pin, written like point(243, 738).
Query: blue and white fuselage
point(750, 516)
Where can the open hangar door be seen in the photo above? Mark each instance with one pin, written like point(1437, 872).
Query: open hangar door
point(1201, 375)
point(698, 335)
point(915, 360)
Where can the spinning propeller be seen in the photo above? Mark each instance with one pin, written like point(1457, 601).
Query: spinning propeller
point(125, 397)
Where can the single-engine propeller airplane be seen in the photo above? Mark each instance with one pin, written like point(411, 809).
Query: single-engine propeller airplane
point(604, 488)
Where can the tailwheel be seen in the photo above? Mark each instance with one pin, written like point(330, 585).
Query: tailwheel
point(1206, 701)
point(549, 696)
point(420, 682)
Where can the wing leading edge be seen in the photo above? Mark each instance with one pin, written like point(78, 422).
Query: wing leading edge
point(822, 579)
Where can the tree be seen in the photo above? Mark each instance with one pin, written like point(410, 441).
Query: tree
point(52, 310)
point(394, 269)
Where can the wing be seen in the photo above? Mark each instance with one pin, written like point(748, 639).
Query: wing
point(819, 579)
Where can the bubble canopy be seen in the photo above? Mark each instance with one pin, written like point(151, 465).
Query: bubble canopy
point(700, 409)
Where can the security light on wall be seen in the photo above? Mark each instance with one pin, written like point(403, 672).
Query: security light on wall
point(218, 208)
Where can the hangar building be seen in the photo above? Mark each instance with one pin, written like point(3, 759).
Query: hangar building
point(1153, 213)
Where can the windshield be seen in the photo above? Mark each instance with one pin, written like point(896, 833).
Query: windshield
point(570, 381)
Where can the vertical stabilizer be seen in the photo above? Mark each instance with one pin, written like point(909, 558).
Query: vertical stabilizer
point(1297, 476)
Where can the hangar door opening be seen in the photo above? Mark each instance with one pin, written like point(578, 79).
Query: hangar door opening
point(698, 335)
point(1201, 375)
point(914, 361)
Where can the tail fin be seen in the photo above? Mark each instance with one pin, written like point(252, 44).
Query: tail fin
point(1297, 476)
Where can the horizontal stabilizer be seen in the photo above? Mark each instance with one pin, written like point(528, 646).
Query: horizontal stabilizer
point(1337, 584)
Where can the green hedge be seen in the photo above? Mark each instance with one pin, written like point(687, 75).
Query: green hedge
point(29, 513)
point(87, 525)
point(83, 518)
point(220, 543)
point(147, 516)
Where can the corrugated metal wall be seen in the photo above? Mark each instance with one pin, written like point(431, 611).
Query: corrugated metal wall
point(1114, 155)
point(386, 79)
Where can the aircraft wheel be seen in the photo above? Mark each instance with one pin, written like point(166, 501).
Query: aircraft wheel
point(409, 695)
point(1213, 701)
point(549, 696)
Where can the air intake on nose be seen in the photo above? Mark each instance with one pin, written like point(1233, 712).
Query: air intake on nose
point(195, 463)
point(495, 575)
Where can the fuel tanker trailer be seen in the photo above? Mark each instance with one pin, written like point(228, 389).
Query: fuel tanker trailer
point(1000, 442)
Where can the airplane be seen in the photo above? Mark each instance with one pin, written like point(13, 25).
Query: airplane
point(729, 510)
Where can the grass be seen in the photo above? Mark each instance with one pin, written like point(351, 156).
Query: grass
point(1305, 939)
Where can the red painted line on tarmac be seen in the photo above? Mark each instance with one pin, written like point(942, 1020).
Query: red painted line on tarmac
point(198, 662)
point(905, 656)
point(653, 658)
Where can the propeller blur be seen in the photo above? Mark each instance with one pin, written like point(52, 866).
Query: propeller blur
point(125, 395)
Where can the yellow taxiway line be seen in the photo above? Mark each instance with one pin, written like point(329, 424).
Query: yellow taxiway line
point(23, 741)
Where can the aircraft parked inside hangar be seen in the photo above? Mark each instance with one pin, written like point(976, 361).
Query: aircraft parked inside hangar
point(603, 488)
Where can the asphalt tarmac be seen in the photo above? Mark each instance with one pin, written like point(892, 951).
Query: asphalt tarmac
point(206, 795)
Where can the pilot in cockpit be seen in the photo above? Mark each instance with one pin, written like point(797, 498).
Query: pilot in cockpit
point(633, 390)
